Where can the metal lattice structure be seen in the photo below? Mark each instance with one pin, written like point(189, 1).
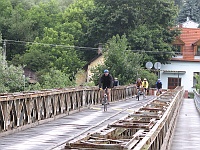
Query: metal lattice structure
point(147, 128)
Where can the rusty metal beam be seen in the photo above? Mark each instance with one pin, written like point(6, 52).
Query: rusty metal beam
point(139, 130)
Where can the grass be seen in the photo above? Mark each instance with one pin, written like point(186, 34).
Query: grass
point(190, 95)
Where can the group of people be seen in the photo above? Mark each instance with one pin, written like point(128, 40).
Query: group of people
point(106, 81)
point(143, 86)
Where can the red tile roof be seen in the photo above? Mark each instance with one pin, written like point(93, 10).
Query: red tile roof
point(189, 36)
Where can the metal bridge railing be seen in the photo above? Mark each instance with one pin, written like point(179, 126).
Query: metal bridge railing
point(149, 128)
point(27, 109)
point(197, 100)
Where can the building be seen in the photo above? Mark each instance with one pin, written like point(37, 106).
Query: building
point(85, 75)
point(182, 68)
point(189, 24)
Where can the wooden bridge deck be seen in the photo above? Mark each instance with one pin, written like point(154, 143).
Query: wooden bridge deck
point(187, 131)
point(54, 133)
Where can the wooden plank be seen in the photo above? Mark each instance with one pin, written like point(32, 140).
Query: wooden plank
point(186, 135)
point(134, 140)
point(45, 136)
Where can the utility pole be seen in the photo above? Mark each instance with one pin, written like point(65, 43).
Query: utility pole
point(4, 53)
point(100, 48)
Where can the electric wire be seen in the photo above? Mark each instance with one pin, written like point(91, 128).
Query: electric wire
point(88, 48)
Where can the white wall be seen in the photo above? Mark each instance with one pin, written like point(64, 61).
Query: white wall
point(190, 24)
point(186, 79)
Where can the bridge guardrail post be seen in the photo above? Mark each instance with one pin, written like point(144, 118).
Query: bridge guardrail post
point(197, 100)
point(20, 109)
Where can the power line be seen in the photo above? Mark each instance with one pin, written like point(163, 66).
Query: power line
point(51, 45)
point(87, 48)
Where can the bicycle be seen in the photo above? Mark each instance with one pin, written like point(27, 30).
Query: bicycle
point(139, 92)
point(159, 91)
point(105, 100)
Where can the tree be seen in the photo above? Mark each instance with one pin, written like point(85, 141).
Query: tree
point(190, 9)
point(6, 9)
point(154, 43)
point(11, 77)
point(44, 15)
point(75, 22)
point(27, 21)
point(55, 79)
point(122, 63)
point(179, 3)
point(52, 51)
point(109, 18)
point(19, 29)
point(198, 82)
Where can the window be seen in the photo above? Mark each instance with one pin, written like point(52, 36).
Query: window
point(178, 49)
point(194, 79)
point(198, 51)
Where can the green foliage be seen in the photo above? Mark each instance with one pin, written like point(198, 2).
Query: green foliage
point(60, 25)
point(6, 10)
point(55, 79)
point(197, 77)
point(75, 22)
point(11, 77)
point(55, 53)
point(27, 21)
point(33, 87)
point(97, 72)
point(190, 9)
point(122, 63)
point(150, 76)
point(88, 84)
point(154, 41)
point(179, 3)
point(148, 18)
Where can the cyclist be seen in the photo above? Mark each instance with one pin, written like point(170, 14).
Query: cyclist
point(145, 86)
point(159, 87)
point(106, 81)
point(139, 84)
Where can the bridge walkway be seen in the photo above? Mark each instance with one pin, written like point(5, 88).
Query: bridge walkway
point(187, 131)
point(54, 134)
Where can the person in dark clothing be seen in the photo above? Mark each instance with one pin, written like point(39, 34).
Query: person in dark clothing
point(159, 87)
point(106, 81)
point(116, 82)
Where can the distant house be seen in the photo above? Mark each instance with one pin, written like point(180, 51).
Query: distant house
point(189, 24)
point(186, 64)
point(85, 75)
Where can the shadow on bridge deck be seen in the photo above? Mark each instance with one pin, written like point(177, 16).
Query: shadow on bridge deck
point(187, 131)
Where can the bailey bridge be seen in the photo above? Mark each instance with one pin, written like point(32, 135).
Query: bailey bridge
point(73, 118)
